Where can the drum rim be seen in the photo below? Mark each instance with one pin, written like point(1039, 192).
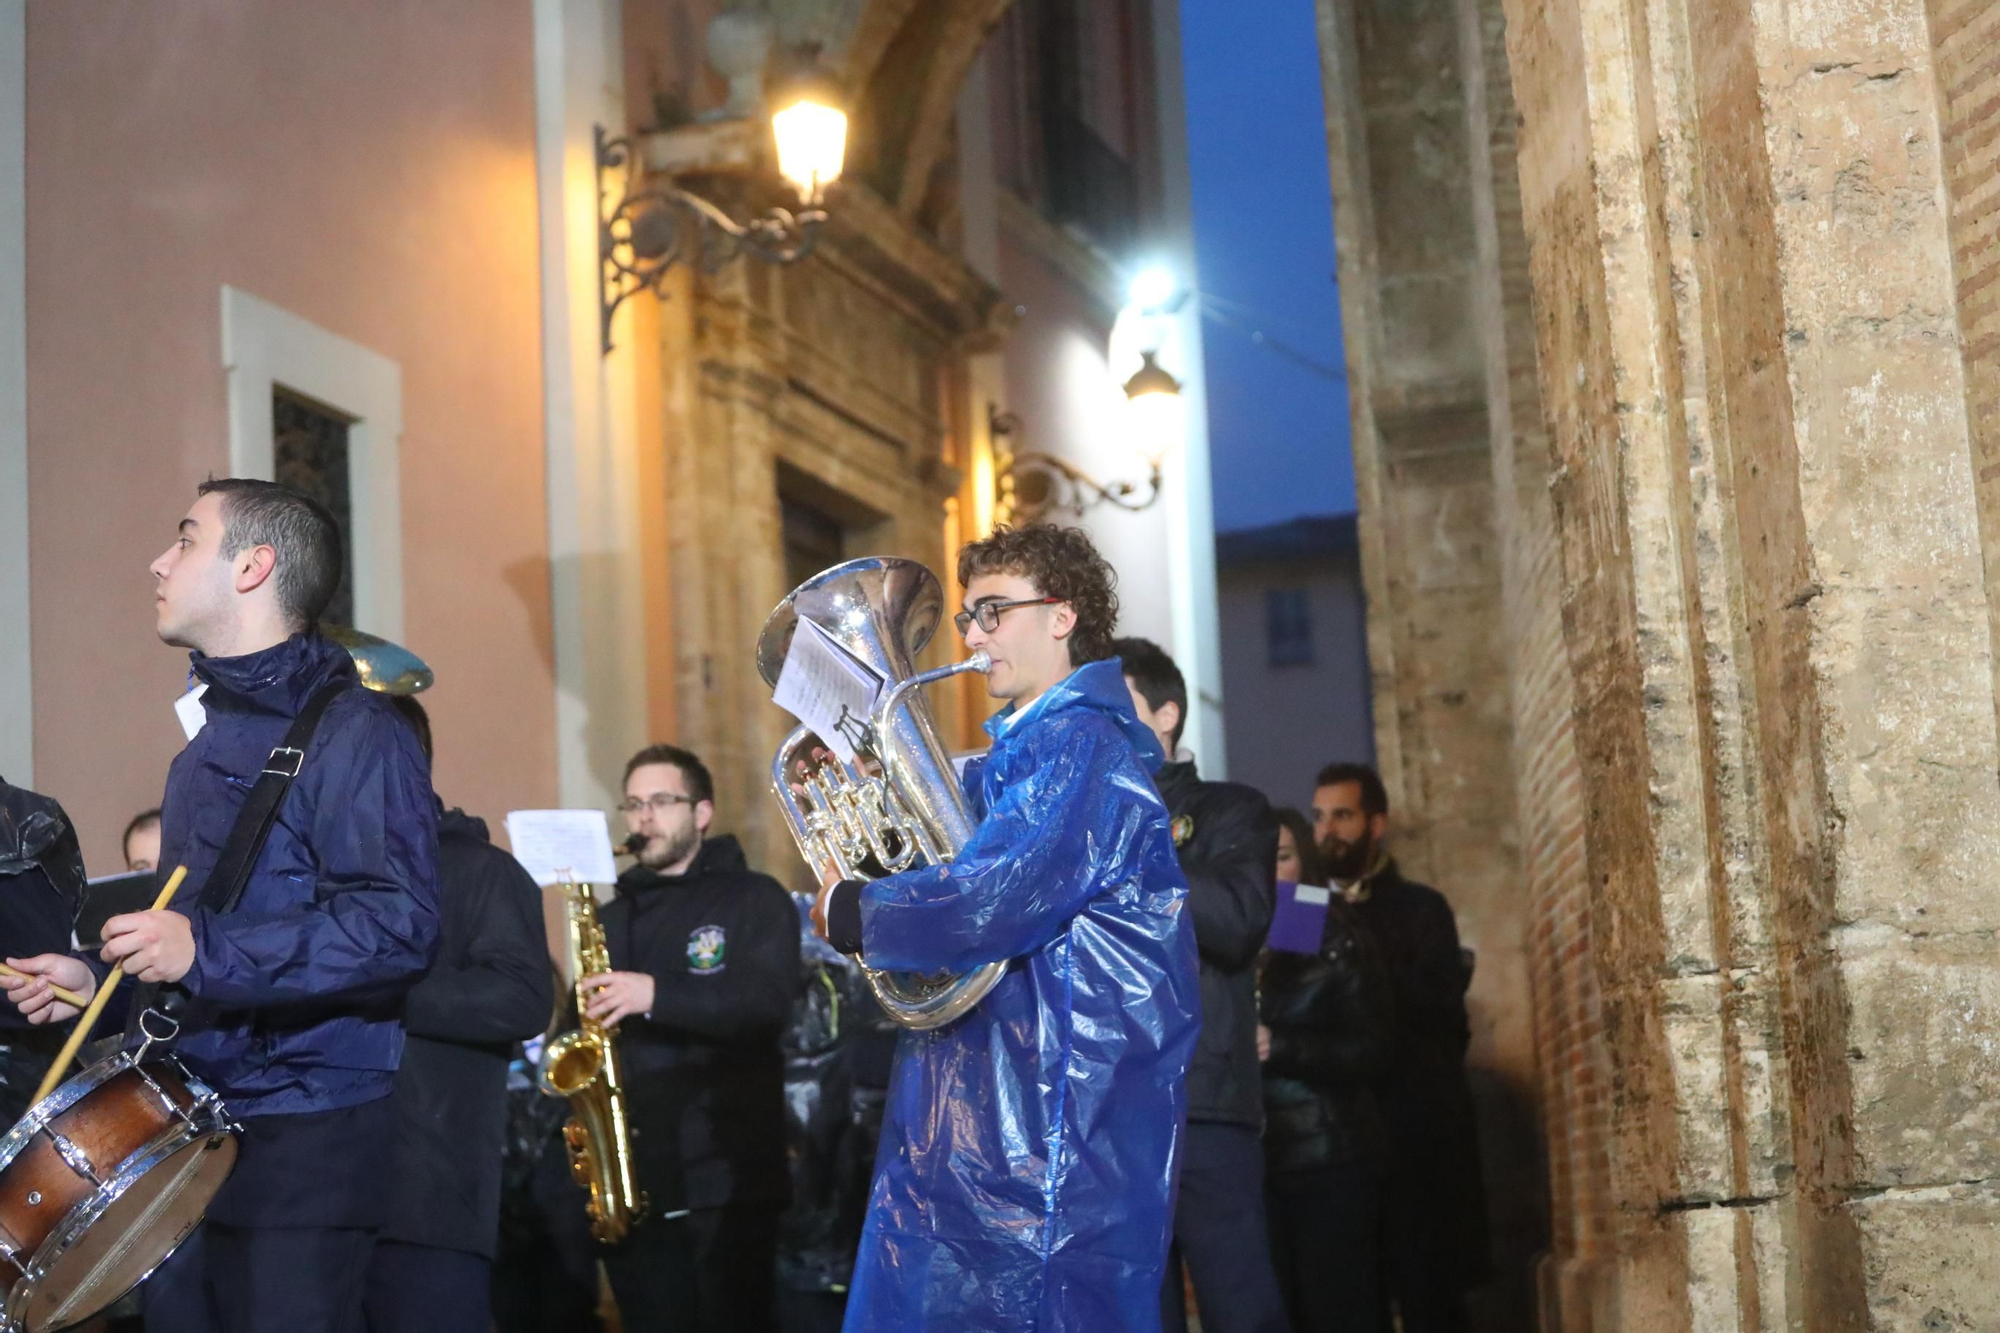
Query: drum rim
point(177, 1135)
point(81, 1084)
point(66, 1095)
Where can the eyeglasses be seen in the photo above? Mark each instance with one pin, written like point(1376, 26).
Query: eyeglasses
point(659, 803)
point(988, 613)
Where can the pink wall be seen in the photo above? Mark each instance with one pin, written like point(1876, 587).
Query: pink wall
point(370, 168)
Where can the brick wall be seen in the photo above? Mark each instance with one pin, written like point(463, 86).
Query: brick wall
point(1966, 37)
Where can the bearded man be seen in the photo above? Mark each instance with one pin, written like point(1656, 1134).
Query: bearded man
point(1435, 1236)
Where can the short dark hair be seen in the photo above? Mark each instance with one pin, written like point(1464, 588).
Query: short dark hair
point(139, 821)
point(1155, 676)
point(1060, 562)
point(419, 720)
point(699, 784)
point(298, 528)
point(1311, 869)
point(1374, 796)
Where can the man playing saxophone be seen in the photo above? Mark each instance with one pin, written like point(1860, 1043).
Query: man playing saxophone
point(1030, 1148)
point(705, 965)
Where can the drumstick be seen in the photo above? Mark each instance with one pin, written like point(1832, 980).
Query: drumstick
point(89, 1019)
point(66, 996)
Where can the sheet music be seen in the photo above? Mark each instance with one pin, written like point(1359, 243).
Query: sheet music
point(826, 688)
point(548, 841)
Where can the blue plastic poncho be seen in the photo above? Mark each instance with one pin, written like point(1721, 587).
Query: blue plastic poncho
point(1030, 1150)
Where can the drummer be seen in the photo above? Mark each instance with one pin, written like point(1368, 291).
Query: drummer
point(296, 996)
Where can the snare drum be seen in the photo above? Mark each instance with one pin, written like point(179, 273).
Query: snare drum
point(100, 1181)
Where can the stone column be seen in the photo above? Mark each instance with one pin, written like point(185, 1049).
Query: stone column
point(1408, 130)
point(1777, 622)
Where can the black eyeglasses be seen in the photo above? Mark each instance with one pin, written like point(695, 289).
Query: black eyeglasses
point(988, 613)
point(659, 803)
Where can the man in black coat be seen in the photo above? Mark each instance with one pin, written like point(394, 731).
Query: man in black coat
point(490, 987)
point(1436, 1239)
point(41, 887)
point(1227, 840)
point(705, 964)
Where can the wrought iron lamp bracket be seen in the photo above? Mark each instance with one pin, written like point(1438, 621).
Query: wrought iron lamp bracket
point(644, 230)
point(1063, 488)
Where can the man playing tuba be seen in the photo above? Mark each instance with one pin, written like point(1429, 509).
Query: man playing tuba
point(1030, 1148)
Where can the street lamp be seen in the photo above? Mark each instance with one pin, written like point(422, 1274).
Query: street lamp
point(643, 229)
point(1033, 485)
point(1154, 411)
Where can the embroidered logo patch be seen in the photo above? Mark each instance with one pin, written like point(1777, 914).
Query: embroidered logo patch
point(1183, 828)
point(706, 945)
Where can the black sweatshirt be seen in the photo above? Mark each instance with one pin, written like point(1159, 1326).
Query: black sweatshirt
point(491, 987)
point(1227, 840)
point(705, 1070)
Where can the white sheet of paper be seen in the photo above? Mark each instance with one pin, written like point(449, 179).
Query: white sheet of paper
point(1317, 897)
point(825, 688)
point(549, 841)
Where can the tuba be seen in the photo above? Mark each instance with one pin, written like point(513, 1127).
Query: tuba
point(583, 1066)
point(900, 805)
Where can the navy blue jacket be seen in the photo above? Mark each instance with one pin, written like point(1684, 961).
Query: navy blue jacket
point(300, 990)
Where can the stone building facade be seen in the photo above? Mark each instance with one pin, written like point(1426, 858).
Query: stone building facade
point(1671, 331)
point(388, 217)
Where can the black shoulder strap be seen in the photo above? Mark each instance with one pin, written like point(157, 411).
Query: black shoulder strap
point(238, 858)
point(231, 875)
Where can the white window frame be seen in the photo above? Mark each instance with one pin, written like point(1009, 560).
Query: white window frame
point(265, 347)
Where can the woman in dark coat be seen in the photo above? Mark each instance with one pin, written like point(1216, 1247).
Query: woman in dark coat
point(1325, 1036)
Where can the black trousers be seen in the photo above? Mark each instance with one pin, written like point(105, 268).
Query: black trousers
point(712, 1271)
point(426, 1289)
point(1422, 1279)
point(227, 1279)
point(1219, 1233)
point(1326, 1229)
point(545, 1271)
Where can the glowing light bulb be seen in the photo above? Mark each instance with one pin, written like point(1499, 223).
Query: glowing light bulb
point(1154, 412)
point(812, 144)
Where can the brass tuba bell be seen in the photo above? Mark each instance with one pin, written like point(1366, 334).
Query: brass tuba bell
point(900, 805)
point(385, 667)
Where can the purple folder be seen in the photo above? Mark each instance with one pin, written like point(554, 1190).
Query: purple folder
point(1300, 919)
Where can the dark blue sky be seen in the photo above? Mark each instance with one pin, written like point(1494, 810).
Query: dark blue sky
point(1264, 241)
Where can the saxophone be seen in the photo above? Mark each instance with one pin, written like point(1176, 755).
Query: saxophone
point(583, 1066)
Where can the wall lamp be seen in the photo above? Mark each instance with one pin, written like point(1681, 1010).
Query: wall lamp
point(644, 229)
point(1032, 486)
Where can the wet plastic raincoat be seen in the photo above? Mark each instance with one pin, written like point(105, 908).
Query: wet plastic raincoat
point(1030, 1150)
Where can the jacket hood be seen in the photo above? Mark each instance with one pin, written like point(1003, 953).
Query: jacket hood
point(34, 831)
point(718, 855)
point(279, 679)
point(456, 823)
point(1098, 686)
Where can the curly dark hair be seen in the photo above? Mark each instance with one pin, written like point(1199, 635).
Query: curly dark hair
point(1060, 562)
